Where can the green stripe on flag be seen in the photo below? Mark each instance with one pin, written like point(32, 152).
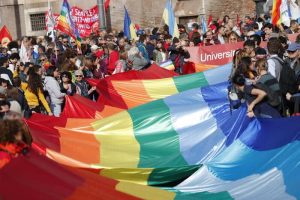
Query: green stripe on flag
point(191, 81)
point(170, 177)
point(159, 142)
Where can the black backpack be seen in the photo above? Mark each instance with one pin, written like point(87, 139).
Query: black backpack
point(287, 79)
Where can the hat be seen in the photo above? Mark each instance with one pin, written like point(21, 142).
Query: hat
point(78, 72)
point(293, 47)
point(94, 47)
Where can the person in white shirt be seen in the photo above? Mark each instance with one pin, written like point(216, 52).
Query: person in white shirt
point(275, 49)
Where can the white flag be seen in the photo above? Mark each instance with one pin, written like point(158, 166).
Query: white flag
point(50, 22)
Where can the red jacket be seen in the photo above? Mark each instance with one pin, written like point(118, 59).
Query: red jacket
point(113, 58)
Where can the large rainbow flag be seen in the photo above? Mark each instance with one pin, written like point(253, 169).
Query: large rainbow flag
point(131, 93)
point(188, 145)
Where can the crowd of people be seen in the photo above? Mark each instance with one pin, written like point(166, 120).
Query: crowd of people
point(37, 73)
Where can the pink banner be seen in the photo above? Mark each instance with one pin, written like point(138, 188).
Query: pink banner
point(214, 55)
point(203, 58)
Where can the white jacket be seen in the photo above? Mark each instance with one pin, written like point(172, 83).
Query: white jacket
point(53, 88)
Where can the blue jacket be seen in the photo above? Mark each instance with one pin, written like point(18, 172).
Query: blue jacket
point(142, 48)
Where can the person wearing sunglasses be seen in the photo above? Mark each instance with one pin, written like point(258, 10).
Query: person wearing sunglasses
point(82, 86)
point(66, 84)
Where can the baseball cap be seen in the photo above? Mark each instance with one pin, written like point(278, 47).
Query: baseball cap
point(293, 47)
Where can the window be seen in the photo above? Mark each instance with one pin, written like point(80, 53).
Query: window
point(38, 22)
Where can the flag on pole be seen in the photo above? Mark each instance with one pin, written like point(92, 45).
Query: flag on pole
point(5, 36)
point(210, 18)
point(170, 20)
point(65, 23)
point(289, 10)
point(276, 12)
point(106, 4)
point(203, 24)
point(129, 28)
point(50, 22)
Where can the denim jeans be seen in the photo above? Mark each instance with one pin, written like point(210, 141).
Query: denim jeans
point(56, 109)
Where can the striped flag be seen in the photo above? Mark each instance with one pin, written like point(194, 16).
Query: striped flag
point(276, 12)
point(289, 10)
point(170, 20)
point(66, 24)
point(129, 28)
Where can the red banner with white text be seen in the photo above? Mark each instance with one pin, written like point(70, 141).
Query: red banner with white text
point(86, 20)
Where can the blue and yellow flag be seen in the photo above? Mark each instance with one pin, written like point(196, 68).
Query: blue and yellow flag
point(129, 29)
point(170, 20)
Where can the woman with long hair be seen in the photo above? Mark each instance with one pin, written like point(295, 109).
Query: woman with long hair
point(66, 84)
point(34, 95)
point(160, 53)
point(53, 89)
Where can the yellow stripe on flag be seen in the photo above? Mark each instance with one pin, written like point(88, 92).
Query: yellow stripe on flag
point(160, 89)
point(166, 16)
point(133, 32)
point(144, 192)
point(135, 175)
point(118, 146)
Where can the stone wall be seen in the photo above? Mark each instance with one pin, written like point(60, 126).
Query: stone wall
point(219, 8)
point(146, 13)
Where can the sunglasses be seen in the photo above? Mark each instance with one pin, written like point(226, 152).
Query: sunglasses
point(78, 75)
point(42, 60)
point(65, 42)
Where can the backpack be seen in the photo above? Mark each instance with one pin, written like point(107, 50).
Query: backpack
point(287, 79)
point(273, 98)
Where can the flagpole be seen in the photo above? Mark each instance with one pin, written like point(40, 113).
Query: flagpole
point(102, 15)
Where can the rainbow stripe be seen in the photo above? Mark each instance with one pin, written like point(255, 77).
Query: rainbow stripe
point(131, 93)
point(191, 145)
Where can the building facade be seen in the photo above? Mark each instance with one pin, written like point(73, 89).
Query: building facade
point(27, 17)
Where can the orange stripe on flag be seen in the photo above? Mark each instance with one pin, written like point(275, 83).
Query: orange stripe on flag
point(126, 88)
point(82, 147)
